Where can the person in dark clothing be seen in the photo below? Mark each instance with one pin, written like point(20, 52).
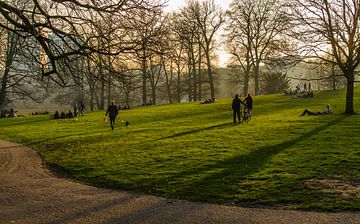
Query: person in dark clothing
point(249, 102)
point(69, 114)
point(236, 104)
point(62, 115)
point(75, 109)
point(112, 111)
point(327, 110)
point(56, 115)
point(81, 108)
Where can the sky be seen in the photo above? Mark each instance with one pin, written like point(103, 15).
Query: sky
point(174, 5)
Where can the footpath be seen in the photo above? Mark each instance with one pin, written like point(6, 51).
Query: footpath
point(29, 193)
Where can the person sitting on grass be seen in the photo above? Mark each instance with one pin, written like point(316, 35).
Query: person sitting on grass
point(69, 114)
point(56, 115)
point(327, 110)
point(62, 115)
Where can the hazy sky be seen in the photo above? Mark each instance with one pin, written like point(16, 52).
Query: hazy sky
point(174, 5)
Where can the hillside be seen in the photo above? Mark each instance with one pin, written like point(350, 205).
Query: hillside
point(194, 152)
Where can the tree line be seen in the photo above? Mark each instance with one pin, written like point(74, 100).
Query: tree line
point(134, 49)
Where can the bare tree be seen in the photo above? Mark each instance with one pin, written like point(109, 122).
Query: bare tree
point(68, 21)
point(208, 18)
point(21, 75)
point(323, 24)
point(255, 31)
point(179, 41)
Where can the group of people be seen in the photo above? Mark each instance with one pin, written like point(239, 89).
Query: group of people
point(8, 113)
point(207, 101)
point(304, 92)
point(236, 107)
point(39, 113)
point(63, 115)
point(79, 108)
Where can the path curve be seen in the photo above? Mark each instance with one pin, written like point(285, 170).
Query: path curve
point(31, 194)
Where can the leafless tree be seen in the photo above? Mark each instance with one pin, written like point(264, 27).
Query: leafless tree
point(208, 18)
point(55, 24)
point(323, 24)
point(256, 30)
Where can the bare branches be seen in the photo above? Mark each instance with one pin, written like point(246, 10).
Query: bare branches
point(72, 23)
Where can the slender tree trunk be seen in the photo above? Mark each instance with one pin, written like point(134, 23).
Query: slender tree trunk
point(91, 98)
point(194, 75)
point(256, 78)
point(143, 67)
point(246, 83)
point(92, 92)
point(102, 90)
point(199, 73)
point(109, 88)
point(333, 77)
point(153, 95)
point(178, 87)
point(350, 93)
point(210, 75)
point(190, 78)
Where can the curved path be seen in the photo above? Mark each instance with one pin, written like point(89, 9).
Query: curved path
point(31, 194)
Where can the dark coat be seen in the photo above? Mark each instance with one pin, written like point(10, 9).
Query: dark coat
point(112, 111)
point(236, 104)
point(249, 102)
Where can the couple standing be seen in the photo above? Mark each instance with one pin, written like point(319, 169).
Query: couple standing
point(236, 104)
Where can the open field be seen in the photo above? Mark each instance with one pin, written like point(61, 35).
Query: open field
point(194, 152)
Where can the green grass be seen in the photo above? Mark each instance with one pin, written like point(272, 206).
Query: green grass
point(194, 152)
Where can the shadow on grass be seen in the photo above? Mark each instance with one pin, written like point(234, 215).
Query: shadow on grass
point(83, 134)
point(21, 121)
point(228, 124)
point(223, 177)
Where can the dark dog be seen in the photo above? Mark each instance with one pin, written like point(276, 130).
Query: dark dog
point(127, 123)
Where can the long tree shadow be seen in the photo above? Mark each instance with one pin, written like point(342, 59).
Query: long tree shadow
point(234, 169)
point(228, 124)
point(21, 121)
point(71, 135)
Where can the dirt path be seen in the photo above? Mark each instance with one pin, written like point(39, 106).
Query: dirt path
point(30, 194)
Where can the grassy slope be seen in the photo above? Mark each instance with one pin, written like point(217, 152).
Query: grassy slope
point(194, 152)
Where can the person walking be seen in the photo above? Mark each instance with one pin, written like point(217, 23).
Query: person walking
point(112, 111)
point(236, 103)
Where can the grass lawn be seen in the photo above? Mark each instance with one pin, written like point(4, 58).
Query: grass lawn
point(194, 152)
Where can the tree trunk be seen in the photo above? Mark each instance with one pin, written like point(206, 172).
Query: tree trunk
point(2, 99)
point(109, 88)
point(178, 83)
point(194, 75)
point(153, 95)
point(246, 84)
point(143, 67)
point(199, 73)
point(350, 93)
point(3, 88)
point(189, 81)
point(256, 78)
point(209, 71)
point(333, 77)
point(102, 91)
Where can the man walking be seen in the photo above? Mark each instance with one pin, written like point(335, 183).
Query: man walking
point(113, 112)
point(236, 107)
